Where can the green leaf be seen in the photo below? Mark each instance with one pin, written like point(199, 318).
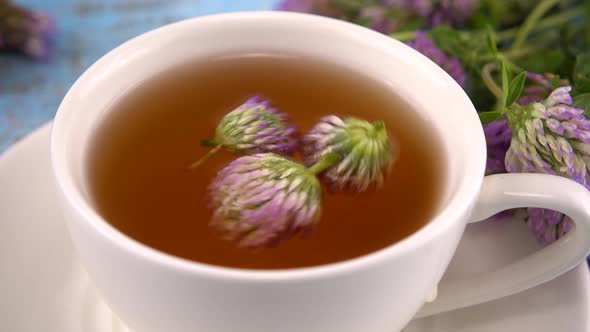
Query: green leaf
point(491, 39)
point(581, 74)
point(487, 117)
point(505, 85)
point(515, 88)
point(583, 101)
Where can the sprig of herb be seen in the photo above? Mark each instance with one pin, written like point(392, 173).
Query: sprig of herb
point(526, 68)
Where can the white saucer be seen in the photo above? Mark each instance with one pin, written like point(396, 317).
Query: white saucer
point(43, 287)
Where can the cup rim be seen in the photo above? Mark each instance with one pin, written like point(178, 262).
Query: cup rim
point(458, 205)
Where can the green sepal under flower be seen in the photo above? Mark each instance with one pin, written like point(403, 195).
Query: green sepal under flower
point(361, 151)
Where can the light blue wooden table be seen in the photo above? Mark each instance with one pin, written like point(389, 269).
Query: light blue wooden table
point(30, 92)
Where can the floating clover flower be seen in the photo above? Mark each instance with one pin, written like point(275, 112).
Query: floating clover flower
point(253, 127)
point(551, 137)
point(25, 31)
point(451, 65)
point(264, 199)
point(361, 152)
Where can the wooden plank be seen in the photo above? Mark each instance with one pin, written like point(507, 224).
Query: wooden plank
point(30, 92)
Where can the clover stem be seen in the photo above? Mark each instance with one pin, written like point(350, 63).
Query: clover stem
point(488, 80)
point(325, 163)
point(531, 21)
point(565, 16)
point(206, 157)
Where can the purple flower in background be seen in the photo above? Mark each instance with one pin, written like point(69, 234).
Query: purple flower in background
point(303, 6)
point(254, 127)
point(540, 88)
point(25, 31)
point(360, 151)
point(320, 7)
point(452, 12)
point(374, 16)
point(386, 16)
point(264, 199)
point(498, 135)
point(420, 7)
point(550, 137)
point(378, 19)
point(41, 28)
point(451, 65)
point(547, 225)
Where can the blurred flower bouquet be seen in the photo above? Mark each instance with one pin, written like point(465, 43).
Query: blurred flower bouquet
point(525, 65)
point(24, 31)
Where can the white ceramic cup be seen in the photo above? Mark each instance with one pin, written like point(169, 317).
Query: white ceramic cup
point(154, 292)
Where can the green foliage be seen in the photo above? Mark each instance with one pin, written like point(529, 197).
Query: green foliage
point(505, 86)
point(555, 40)
point(471, 47)
point(543, 61)
point(515, 89)
point(487, 117)
point(499, 14)
point(581, 74)
point(492, 44)
point(583, 101)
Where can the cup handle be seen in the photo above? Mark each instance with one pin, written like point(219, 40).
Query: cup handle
point(506, 191)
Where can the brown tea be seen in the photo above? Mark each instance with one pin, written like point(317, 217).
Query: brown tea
point(138, 162)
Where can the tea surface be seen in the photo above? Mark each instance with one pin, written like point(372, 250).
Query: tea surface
point(139, 182)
